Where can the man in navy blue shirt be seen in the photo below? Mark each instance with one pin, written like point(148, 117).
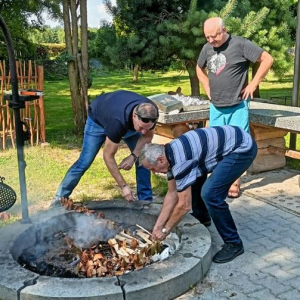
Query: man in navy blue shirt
point(112, 117)
point(226, 152)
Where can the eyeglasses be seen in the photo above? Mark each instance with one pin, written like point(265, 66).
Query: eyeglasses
point(146, 120)
point(213, 36)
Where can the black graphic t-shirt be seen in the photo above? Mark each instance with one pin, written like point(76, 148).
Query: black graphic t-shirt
point(227, 68)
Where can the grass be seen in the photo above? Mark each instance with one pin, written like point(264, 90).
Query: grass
point(47, 166)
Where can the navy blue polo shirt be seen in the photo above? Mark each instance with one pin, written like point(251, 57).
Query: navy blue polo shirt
point(113, 111)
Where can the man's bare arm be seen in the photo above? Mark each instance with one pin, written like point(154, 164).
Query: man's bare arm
point(128, 162)
point(109, 151)
point(266, 61)
point(182, 207)
point(173, 213)
point(203, 78)
point(144, 139)
point(169, 203)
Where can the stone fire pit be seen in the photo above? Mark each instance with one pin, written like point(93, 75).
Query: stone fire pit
point(162, 280)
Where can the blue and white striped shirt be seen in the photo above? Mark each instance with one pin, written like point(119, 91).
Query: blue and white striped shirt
point(198, 152)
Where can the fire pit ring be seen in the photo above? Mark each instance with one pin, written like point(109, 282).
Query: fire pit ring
point(162, 280)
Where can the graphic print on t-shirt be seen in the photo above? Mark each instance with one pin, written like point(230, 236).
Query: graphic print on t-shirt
point(217, 63)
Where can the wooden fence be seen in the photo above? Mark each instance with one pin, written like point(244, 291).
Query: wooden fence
point(30, 76)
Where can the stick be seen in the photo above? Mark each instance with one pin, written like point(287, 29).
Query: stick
point(139, 226)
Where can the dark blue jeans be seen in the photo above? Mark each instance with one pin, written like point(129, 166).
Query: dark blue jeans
point(214, 191)
point(94, 137)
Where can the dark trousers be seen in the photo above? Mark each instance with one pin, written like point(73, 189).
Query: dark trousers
point(200, 211)
point(214, 190)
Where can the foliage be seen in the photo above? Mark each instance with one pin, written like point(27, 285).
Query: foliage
point(176, 29)
point(269, 24)
point(56, 68)
point(136, 25)
point(46, 34)
point(21, 16)
point(54, 50)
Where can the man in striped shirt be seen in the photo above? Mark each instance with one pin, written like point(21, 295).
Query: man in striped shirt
point(224, 151)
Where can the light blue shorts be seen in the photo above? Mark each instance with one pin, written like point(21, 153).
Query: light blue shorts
point(237, 115)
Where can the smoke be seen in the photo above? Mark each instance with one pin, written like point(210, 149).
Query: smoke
point(89, 229)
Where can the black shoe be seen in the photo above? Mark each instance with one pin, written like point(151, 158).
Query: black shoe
point(228, 252)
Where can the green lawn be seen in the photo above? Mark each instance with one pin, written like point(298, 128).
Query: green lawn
point(47, 166)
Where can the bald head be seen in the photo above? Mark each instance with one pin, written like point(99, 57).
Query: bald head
point(214, 23)
point(215, 31)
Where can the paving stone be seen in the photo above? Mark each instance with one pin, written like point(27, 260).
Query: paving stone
point(260, 250)
point(291, 243)
point(245, 285)
point(294, 283)
point(273, 285)
point(262, 295)
point(295, 271)
point(277, 272)
point(267, 243)
point(289, 295)
point(250, 234)
point(288, 253)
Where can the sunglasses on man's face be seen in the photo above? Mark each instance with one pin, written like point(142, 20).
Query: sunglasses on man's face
point(147, 120)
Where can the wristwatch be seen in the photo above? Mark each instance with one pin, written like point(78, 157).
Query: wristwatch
point(134, 156)
point(164, 230)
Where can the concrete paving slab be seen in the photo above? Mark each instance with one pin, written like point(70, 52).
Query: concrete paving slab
point(269, 268)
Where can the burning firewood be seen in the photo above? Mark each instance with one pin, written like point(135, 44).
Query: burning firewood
point(123, 253)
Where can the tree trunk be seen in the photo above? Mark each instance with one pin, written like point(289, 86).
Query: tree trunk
point(84, 53)
point(256, 93)
point(194, 81)
point(71, 36)
point(135, 73)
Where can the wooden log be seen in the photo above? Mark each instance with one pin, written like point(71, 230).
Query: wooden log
point(162, 140)
point(264, 133)
point(179, 129)
point(266, 163)
point(278, 142)
point(144, 236)
point(164, 130)
point(171, 131)
point(264, 144)
point(130, 238)
point(285, 152)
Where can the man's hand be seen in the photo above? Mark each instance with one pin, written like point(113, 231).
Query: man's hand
point(127, 193)
point(158, 235)
point(248, 91)
point(126, 163)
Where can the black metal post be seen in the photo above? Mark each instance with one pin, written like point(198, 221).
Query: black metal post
point(16, 105)
point(296, 81)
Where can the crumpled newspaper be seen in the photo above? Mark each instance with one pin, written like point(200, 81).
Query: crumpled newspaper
point(172, 243)
point(189, 101)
